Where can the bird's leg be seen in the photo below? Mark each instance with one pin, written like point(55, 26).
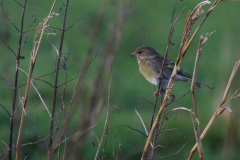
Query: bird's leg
point(156, 93)
point(159, 91)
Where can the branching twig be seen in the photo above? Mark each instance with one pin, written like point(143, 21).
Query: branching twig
point(36, 78)
point(35, 142)
point(184, 46)
point(219, 110)
point(195, 120)
point(8, 46)
point(73, 78)
point(5, 109)
point(10, 20)
point(166, 55)
point(173, 153)
point(34, 54)
point(56, 82)
point(130, 128)
point(14, 98)
point(6, 81)
point(40, 97)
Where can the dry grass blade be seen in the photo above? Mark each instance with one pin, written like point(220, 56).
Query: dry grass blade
point(143, 125)
point(40, 97)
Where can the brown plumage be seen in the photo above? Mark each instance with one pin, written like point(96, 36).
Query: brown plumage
point(150, 66)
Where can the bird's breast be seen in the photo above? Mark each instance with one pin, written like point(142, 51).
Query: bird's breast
point(148, 71)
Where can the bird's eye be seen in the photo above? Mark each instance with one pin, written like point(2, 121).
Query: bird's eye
point(139, 52)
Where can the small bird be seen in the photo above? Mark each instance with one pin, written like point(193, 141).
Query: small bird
point(150, 66)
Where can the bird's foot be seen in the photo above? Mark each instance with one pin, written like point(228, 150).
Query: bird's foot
point(159, 92)
point(172, 97)
point(156, 93)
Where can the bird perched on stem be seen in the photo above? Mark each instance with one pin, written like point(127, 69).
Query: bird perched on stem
point(150, 65)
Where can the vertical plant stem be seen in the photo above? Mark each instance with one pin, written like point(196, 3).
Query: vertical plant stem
point(163, 64)
point(195, 120)
point(10, 148)
point(56, 83)
point(31, 66)
point(107, 117)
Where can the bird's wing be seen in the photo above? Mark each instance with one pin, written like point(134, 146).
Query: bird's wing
point(170, 65)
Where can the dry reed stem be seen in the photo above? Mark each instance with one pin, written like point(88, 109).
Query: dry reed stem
point(183, 49)
point(32, 63)
point(219, 110)
point(195, 120)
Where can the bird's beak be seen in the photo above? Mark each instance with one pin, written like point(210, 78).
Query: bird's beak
point(134, 54)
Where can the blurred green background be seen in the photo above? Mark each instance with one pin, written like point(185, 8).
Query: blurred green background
point(131, 24)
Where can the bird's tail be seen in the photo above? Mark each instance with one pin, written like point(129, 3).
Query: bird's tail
point(197, 84)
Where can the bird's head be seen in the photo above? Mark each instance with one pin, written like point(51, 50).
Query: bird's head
point(144, 52)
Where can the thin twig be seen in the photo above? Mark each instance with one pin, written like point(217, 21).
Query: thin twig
point(195, 120)
point(14, 98)
point(74, 135)
point(173, 153)
point(36, 78)
point(119, 150)
point(35, 142)
point(6, 81)
point(172, 28)
point(107, 117)
point(143, 125)
point(130, 128)
point(73, 78)
point(73, 96)
point(166, 55)
point(40, 97)
point(5, 15)
point(8, 46)
point(178, 98)
point(5, 109)
point(51, 151)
